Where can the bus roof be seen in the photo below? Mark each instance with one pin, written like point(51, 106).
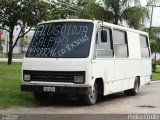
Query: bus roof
point(101, 23)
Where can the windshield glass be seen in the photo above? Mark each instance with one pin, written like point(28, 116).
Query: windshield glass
point(61, 40)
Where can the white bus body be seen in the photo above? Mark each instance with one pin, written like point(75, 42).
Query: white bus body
point(115, 59)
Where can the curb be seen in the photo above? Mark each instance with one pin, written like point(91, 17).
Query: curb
point(13, 60)
point(158, 81)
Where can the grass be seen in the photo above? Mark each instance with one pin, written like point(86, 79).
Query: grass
point(10, 93)
point(156, 74)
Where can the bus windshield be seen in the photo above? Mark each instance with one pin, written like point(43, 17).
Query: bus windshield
point(61, 40)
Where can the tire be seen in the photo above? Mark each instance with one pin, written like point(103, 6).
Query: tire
point(134, 91)
point(91, 99)
point(41, 96)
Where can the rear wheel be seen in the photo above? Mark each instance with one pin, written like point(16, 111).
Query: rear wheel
point(133, 91)
point(91, 99)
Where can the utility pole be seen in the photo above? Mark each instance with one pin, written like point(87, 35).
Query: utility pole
point(151, 18)
point(152, 15)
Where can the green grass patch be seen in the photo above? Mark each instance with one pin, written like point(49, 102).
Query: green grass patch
point(156, 74)
point(10, 93)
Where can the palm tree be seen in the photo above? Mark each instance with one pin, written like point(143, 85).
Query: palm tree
point(129, 11)
point(93, 10)
point(117, 12)
point(154, 33)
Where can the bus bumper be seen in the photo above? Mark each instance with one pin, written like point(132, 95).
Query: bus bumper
point(58, 89)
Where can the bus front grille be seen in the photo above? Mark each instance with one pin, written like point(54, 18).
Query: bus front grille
point(54, 76)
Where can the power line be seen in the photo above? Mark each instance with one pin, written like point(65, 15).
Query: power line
point(154, 5)
point(77, 10)
point(71, 5)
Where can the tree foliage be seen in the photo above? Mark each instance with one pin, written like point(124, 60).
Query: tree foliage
point(154, 34)
point(20, 12)
point(136, 16)
point(117, 12)
point(70, 8)
point(93, 10)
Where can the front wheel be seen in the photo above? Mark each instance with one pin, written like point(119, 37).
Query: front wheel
point(133, 91)
point(91, 99)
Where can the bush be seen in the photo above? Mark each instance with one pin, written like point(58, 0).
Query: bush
point(154, 66)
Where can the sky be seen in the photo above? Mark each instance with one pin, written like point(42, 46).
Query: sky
point(156, 13)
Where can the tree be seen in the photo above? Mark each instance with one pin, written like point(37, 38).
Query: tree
point(154, 39)
point(79, 9)
point(129, 11)
point(154, 31)
point(136, 16)
point(20, 12)
point(69, 8)
point(118, 12)
point(154, 43)
point(92, 10)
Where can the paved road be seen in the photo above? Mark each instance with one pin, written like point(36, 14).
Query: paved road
point(147, 101)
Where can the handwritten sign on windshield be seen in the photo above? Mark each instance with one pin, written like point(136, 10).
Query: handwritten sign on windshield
point(56, 40)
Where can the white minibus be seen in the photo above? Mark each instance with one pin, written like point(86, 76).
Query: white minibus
point(86, 58)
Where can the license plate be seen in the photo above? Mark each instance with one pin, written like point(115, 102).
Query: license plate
point(49, 89)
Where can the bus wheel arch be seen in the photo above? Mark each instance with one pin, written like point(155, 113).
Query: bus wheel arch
point(91, 98)
point(135, 89)
point(97, 90)
point(100, 86)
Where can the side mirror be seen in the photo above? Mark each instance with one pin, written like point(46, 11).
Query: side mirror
point(103, 36)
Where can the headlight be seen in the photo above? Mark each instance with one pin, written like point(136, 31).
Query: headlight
point(79, 79)
point(27, 77)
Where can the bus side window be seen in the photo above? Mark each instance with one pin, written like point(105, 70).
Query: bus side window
point(105, 49)
point(144, 47)
point(120, 44)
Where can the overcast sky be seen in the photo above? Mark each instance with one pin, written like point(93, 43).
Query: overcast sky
point(156, 13)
